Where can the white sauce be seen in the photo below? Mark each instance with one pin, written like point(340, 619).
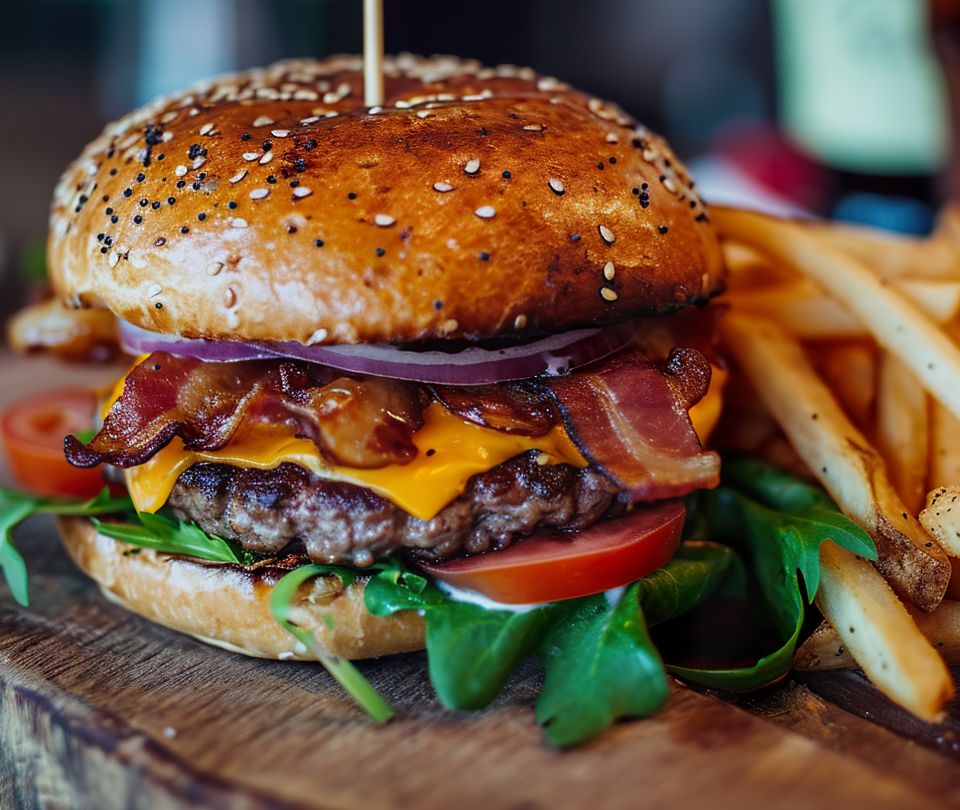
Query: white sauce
point(472, 597)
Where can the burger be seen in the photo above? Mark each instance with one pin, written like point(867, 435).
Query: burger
point(453, 344)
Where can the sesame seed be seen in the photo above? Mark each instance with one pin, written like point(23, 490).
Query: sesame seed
point(472, 166)
point(198, 162)
point(266, 158)
point(238, 222)
point(442, 187)
point(180, 171)
point(380, 252)
point(263, 121)
point(318, 242)
point(113, 258)
point(230, 297)
point(280, 133)
point(611, 137)
point(486, 212)
point(384, 220)
point(607, 294)
point(520, 322)
point(533, 127)
point(663, 229)
point(543, 459)
point(352, 195)
point(449, 325)
point(214, 267)
point(375, 110)
point(606, 234)
point(238, 176)
point(232, 204)
point(309, 120)
point(141, 177)
point(155, 205)
point(248, 156)
point(259, 193)
point(506, 175)
point(184, 229)
point(154, 290)
point(555, 186)
point(423, 113)
point(609, 271)
point(669, 185)
point(206, 129)
point(201, 216)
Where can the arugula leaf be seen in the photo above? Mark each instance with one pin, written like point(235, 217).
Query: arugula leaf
point(600, 665)
point(346, 674)
point(780, 522)
point(600, 662)
point(471, 650)
point(171, 536)
point(16, 507)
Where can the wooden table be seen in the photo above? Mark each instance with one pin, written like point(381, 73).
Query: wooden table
point(99, 709)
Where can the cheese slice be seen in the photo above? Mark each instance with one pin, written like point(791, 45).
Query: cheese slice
point(450, 451)
point(706, 413)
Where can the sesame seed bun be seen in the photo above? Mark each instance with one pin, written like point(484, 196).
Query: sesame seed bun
point(272, 205)
point(228, 605)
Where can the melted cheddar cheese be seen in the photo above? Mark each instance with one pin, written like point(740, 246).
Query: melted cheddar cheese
point(451, 450)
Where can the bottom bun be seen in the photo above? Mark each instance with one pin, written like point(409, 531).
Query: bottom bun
point(229, 605)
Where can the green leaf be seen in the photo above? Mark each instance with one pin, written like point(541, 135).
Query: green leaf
point(172, 536)
point(16, 507)
point(471, 650)
point(600, 662)
point(600, 665)
point(282, 600)
point(780, 522)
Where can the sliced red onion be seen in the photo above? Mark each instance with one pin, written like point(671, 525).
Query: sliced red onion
point(135, 340)
point(550, 356)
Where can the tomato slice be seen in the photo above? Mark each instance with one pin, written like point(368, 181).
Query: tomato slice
point(33, 430)
point(551, 565)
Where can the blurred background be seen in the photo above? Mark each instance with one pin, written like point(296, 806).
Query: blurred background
point(835, 107)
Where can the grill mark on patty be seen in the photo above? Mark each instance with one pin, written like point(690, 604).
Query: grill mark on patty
point(340, 523)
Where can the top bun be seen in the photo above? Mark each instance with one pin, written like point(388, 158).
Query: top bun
point(273, 205)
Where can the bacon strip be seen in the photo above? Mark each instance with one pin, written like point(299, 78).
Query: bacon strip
point(626, 413)
point(628, 416)
point(357, 422)
point(508, 407)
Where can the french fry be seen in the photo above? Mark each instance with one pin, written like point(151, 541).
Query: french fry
point(824, 649)
point(891, 255)
point(903, 430)
point(944, 448)
point(838, 454)
point(897, 323)
point(941, 518)
point(872, 624)
point(850, 369)
point(804, 310)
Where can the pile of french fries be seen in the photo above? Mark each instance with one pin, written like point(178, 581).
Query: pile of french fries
point(845, 344)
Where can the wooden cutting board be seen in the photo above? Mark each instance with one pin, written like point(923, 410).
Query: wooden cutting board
point(101, 710)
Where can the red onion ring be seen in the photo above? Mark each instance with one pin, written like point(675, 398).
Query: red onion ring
point(551, 356)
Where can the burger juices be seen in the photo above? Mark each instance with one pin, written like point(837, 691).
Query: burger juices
point(400, 371)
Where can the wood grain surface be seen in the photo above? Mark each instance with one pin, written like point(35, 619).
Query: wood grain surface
point(101, 710)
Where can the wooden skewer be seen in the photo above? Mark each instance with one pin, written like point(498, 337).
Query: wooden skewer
point(372, 52)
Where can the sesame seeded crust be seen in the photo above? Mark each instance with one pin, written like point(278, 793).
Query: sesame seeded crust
point(271, 205)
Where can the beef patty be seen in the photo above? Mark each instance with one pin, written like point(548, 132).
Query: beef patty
point(266, 510)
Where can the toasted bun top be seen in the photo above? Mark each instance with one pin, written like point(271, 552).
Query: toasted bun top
point(272, 205)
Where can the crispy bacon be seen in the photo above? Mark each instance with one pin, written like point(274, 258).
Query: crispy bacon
point(628, 415)
point(357, 422)
point(508, 407)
